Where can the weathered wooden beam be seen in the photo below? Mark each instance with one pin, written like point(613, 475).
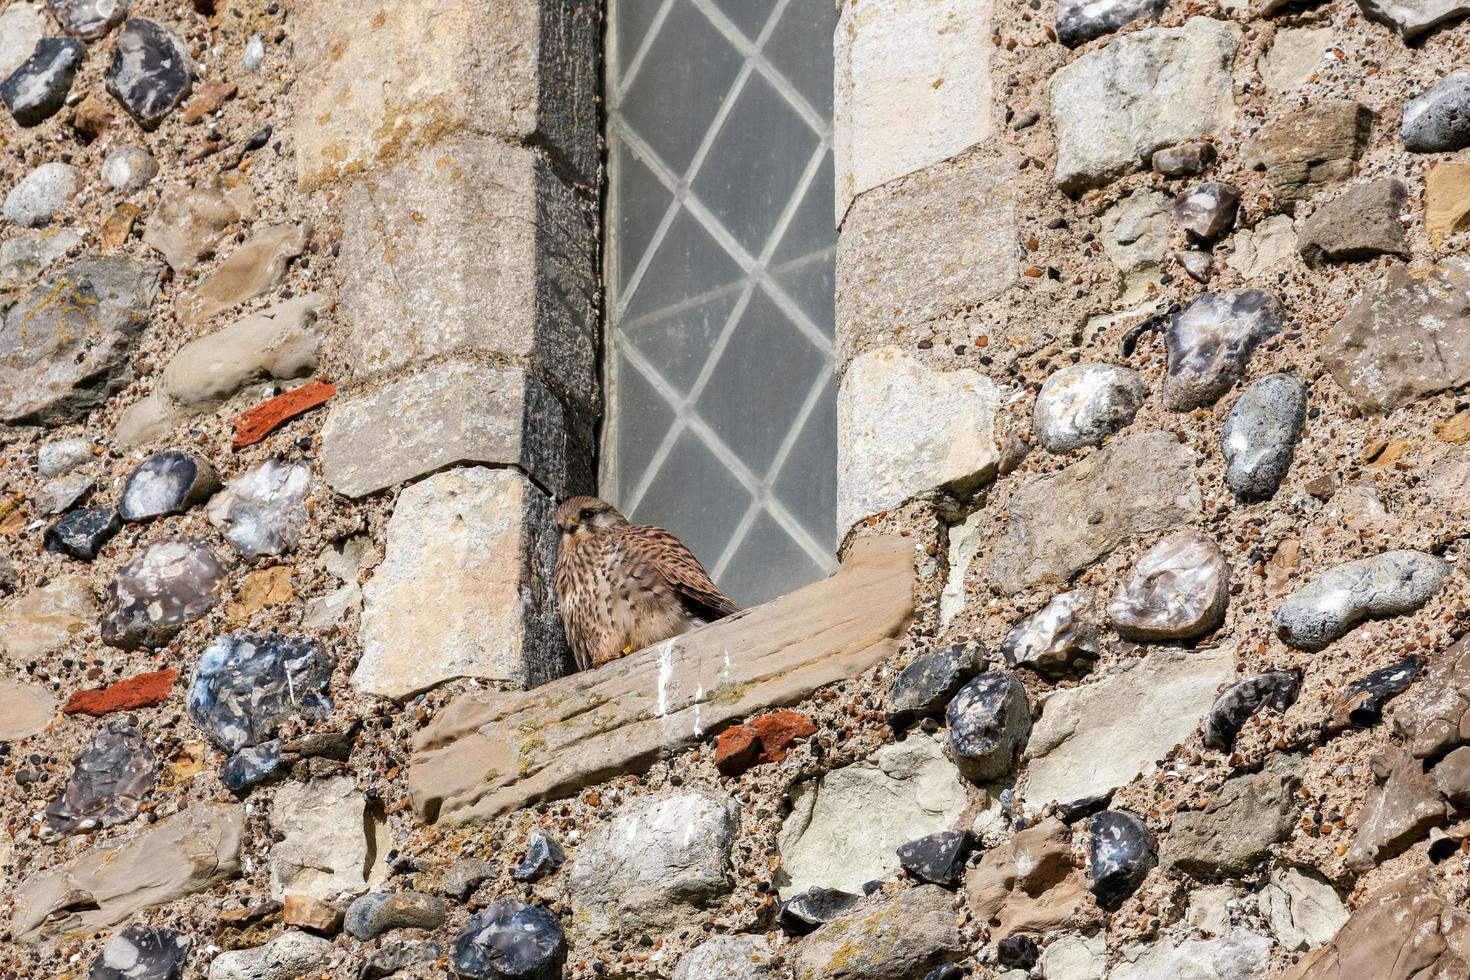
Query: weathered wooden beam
point(489, 753)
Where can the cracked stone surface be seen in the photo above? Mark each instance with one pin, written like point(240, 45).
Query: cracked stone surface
point(246, 684)
point(64, 346)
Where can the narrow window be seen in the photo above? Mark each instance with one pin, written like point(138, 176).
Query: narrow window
point(721, 401)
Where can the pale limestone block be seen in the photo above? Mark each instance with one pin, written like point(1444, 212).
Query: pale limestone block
point(471, 246)
point(904, 429)
point(912, 88)
point(464, 589)
point(383, 77)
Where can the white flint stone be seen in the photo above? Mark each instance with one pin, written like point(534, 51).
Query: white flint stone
point(1177, 590)
point(904, 429)
point(63, 455)
point(263, 511)
point(36, 198)
point(1389, 584)
point(289, 956)
point(129, 169)
point(1083, 404)
point(1057, 640)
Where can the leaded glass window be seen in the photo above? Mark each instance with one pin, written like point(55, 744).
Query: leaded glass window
point(719, 275)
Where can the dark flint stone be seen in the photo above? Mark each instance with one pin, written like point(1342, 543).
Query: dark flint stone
point(245, 684)
point(111, 776)
point(927, 685)
point(1210, 343)
point(158, 592)
point(1079, 21)
point(989, 722)
point(1261, 433)
point(1206, 211)
point(1238, 702)
point(252, 766)
point(803, 913)
point(151, 71)
point(82, 533)
point(36, 90)
point(1017, 952)
point(938, 858)
point(1184, 159)
point(543, 856)
point(141, 953)
point(1077, 809)
point(949, 971)
point(1058, 640)
point(375, 913)
point(510, 941)
point(1361, 705)
point(1437, 120)
point(169, 482)
point(1122, 853)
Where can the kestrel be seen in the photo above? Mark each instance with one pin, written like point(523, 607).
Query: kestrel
point(623, 587)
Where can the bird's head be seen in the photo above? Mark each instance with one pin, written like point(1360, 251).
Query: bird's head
point(582, 517)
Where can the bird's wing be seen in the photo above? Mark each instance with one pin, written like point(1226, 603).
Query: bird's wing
point(677, 565)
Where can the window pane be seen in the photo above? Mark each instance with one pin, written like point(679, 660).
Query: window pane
point(720, 257)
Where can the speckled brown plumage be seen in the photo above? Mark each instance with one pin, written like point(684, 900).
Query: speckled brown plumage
point(623, 587)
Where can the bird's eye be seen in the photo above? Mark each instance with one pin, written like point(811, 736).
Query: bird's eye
point(588, 513)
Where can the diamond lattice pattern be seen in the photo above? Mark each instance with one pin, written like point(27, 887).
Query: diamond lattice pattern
point(722, 402)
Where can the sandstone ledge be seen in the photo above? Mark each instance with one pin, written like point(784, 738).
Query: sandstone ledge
point(490, 753)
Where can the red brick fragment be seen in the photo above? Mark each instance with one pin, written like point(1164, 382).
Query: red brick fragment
point(765, 739)
point(260, 421)
point(135, 692)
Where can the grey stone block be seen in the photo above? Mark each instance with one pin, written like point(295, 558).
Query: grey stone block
point(471, 246)
point(380, 78)
point(452, 413)
point(923, 249)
